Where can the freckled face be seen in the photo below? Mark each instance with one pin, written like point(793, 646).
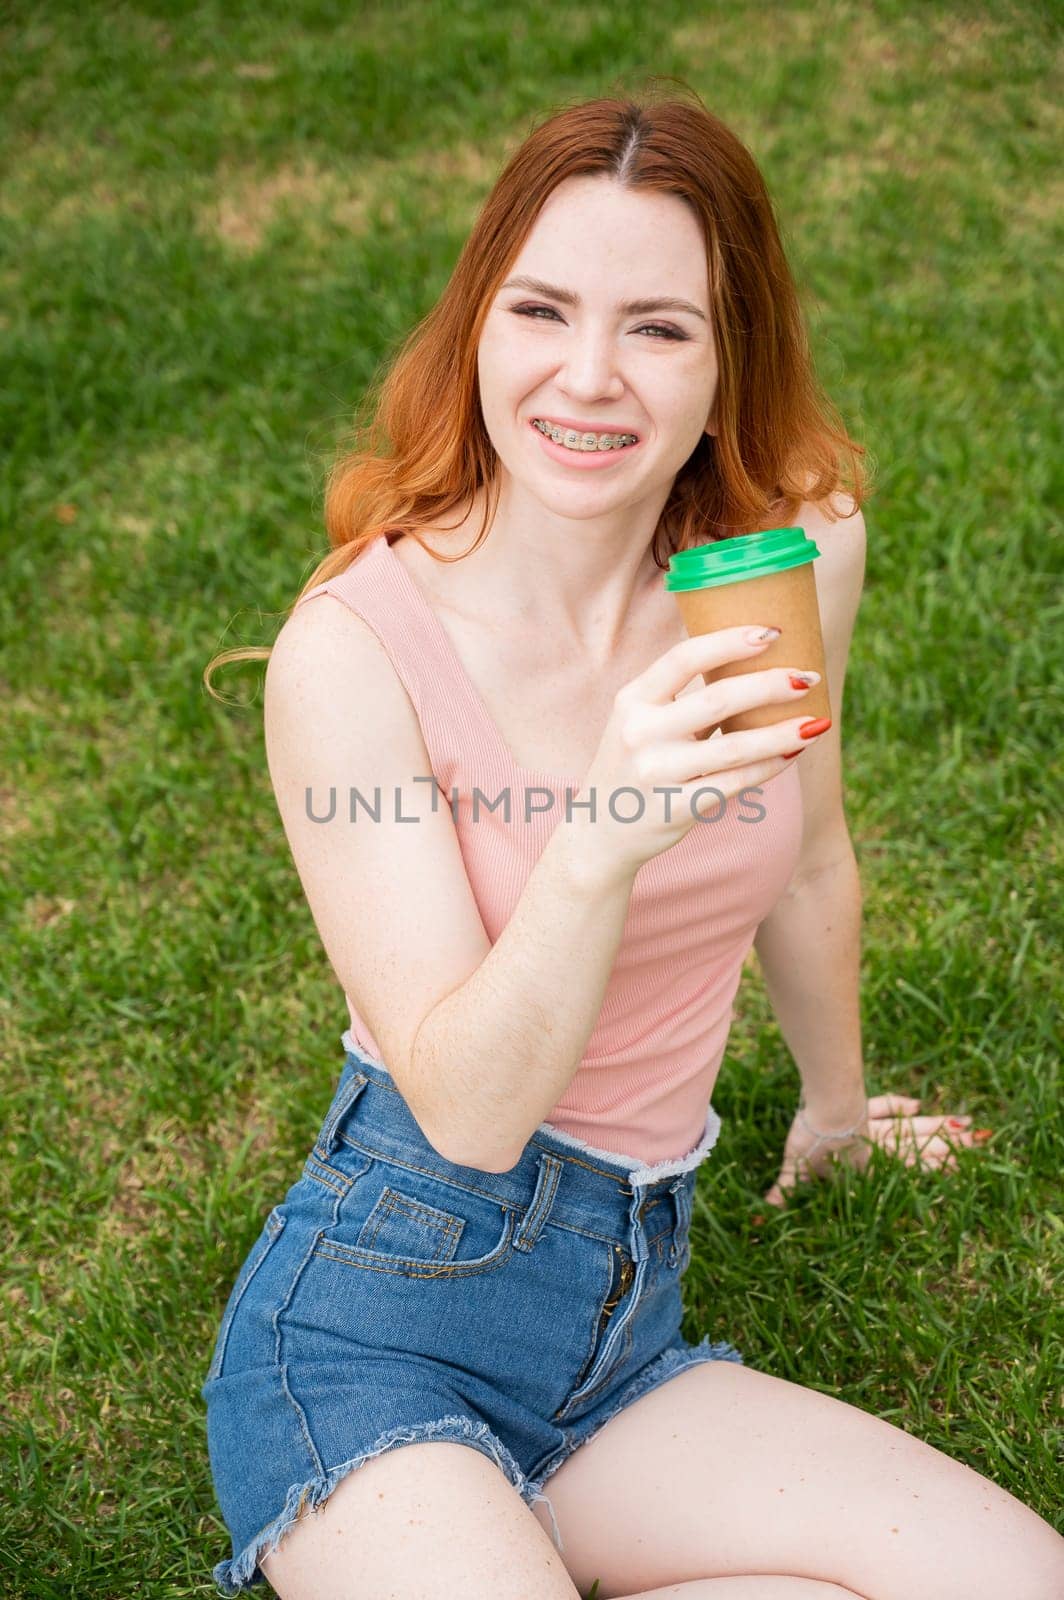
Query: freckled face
point(648, 372)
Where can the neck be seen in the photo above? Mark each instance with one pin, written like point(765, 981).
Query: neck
point(577, 586)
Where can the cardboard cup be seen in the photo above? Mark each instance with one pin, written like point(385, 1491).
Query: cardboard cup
point(785, 600)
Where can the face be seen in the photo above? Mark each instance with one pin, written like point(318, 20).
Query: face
point(575, 356)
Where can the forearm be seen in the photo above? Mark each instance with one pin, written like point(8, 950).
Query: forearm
point(809, 949)
point(500, 1051)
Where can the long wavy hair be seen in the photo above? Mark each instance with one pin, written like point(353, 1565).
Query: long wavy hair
point(419, 448)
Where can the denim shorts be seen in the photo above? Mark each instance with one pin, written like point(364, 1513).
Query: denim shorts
point(393, 1296)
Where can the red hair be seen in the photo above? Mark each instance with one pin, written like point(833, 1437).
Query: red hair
point(420, 447)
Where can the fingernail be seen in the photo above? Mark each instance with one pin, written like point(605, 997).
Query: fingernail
point(787, 754)
point(809, 730)
point(803, 680)
point(762, 635)
point(982, 1133)
point(955, 1122)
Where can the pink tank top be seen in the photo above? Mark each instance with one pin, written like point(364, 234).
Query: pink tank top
point(644, 1084)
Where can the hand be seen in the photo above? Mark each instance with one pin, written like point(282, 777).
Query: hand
point(891, 1123)
point(652, 740)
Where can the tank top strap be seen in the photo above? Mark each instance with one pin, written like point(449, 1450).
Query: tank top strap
point(454, 720)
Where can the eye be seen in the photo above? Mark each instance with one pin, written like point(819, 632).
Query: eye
point(530, 311)
point(663, 329)
point(660, 330)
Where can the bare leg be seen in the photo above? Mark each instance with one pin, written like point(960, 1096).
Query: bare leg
point(434, 1520)
point(724, 1470)
point(753, 1586)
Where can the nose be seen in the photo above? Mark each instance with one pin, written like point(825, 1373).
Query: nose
point(590, 371)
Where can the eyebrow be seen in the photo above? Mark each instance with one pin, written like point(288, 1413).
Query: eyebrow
point(633, 308)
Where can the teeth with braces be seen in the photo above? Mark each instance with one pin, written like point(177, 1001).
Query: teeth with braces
point(583, 441)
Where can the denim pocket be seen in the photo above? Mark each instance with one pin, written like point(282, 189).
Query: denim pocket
point(398, 1218)
point(271, 1232)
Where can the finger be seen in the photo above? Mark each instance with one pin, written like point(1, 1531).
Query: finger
point(786, 1181)
point(727, 696)
point(666, 677)
point(775, 1196)
point(935, 1124)
point(678, 763)
point(889, 1133)
point(950, 1164)
point(958, 1135)
point(959, 1138)
point(931, 1154)
point(702, 797)
point(888, 1105)
point(900, 1135)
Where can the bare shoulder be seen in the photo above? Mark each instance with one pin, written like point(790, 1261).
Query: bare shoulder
point(320, 627)
point(838, 531)
point(839, 575)
point(838, 528)
point(327, 659)
point(334, 702)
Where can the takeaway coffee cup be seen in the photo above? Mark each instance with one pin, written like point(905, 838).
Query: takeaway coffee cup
point(762, 578)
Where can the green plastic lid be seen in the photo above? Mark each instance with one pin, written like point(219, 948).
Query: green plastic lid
point(731, 560)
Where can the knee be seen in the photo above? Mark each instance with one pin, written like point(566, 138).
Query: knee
point(1028, 1564)
point(1038, 1574)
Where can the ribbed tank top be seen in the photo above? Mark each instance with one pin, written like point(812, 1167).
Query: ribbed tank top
point(644, 1084)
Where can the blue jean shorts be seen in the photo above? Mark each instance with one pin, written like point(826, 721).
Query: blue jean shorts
point(393, 1296)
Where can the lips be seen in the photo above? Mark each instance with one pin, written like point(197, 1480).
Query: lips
point(587, 427)
point(585, 460)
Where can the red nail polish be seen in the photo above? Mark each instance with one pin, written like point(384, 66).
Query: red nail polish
point(809, 730)
point(787, 754)
point(796, 681)
point(982, 1133)
point(955, 1122)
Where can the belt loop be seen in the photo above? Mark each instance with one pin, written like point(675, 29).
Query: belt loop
point(681, 1193)
point(342, 1103)
point(542, 1201)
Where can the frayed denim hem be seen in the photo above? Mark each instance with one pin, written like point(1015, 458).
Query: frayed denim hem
point(667, 1365)
point(243, 1570)
point(634, 1167)
point(636, 1170)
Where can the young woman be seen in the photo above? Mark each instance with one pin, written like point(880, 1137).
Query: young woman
point(473, 1289)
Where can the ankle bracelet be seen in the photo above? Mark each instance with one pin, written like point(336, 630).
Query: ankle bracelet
point(844, 1133)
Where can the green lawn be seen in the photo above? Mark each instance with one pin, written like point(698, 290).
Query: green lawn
point(215, 222)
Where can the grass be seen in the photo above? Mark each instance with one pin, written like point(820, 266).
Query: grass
point(214, 223)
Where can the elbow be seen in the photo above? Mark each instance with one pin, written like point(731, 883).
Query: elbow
point(826, 864)
point(477, 1157)
point(466, 1146)
point(475, 1161)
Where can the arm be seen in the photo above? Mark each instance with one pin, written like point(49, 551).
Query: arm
point(482, 1040)
point(520, 1023)
point(809, 944)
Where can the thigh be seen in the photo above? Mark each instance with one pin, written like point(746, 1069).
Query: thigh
point(725, 1470)
point(427, 1521)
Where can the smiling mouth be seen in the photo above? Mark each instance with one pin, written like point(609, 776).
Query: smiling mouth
point(572, 439)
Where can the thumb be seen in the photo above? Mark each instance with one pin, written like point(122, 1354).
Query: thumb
point(775, 1196)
